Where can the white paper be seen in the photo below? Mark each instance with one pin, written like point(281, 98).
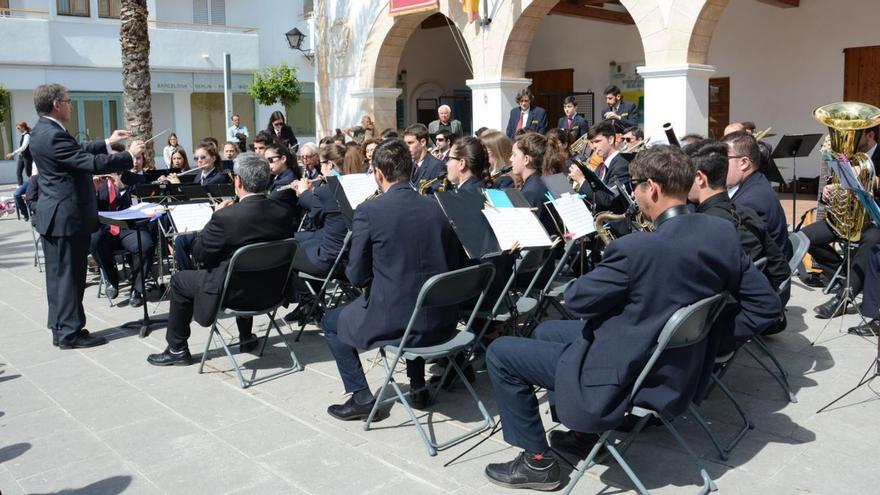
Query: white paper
point(357, 187)
point(190, 217)
point(516, 225)
point(575, 215)
point(139, 211)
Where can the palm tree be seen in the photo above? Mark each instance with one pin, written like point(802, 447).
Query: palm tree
point(136, 97)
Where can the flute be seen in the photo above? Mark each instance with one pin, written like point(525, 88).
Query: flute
point(293, 184)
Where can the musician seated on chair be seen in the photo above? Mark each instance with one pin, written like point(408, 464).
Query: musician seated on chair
point(822, 237)
point(195, 294)
point(613, 170)
point(394, 256)
point(870, 307)
point(114, 193)
point(590, 365)
point(424, 166)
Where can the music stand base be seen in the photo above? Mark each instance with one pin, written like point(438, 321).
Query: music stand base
point(864, 381)
point(144, 326)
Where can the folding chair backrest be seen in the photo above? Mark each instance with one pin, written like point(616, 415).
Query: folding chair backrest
point(686, 327)
point(271, 261)
point(455, 287)
point(800, 243)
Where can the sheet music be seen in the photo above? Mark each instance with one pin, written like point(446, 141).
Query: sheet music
point(190, 217)
point(847, 177)
point(575, 215)
point(140, 211)
point(516, 225)
point(357, 187)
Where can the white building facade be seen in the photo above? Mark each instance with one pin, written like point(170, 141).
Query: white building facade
point(76, 43)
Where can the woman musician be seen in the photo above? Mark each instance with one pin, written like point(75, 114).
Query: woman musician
point(209, 163)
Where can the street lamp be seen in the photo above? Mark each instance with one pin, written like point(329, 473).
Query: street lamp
point(295, 39)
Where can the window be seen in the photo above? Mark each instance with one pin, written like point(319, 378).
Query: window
point(74, 7)
point(209, 12)
point(308, 8)
point(301, 117)
point(7, 143)
point(109, 8)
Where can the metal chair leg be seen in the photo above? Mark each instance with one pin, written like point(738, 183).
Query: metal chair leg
point(782, 376)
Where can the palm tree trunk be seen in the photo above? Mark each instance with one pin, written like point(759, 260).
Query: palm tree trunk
point(136, 97)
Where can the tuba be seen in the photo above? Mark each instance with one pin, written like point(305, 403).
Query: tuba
point(845, 122)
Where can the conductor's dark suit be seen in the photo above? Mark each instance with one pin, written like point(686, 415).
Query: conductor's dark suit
point(66, 215)
point(624, 303)
point(195, 294)
point(629, 113)
point(577, 128)
point(536, 121)
point(394, 256)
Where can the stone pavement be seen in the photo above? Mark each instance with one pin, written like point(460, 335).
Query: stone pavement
point(103, 421)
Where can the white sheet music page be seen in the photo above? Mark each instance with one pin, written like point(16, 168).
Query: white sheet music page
point(516, 225)
point(575, 215)
point(357, 187)
point(190, 217)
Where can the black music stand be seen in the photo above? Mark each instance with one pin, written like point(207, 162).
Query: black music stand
point(795, 146)
point(144, 324)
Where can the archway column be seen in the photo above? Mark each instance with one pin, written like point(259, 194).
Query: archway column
point(678, 94)
point(493, 98)
point(381, 103)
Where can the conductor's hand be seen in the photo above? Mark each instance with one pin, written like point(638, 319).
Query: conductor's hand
point(575, 173)
point(223, 204)
point(136, 147)
point(119, 135)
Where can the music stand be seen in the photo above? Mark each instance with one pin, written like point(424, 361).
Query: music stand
point(795, 146)
point(870, 206)
point(144, 324)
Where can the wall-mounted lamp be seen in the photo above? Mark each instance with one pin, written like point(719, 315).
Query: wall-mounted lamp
point(295, 39)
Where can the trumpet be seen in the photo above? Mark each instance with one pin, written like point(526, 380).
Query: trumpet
point(581, 144)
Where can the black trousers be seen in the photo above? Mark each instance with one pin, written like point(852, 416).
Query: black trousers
point(103, 243)
point(821, 236)
point(516, 365)
point(185, 285)
point(871, 295)
point(23, 170)
point(66, 265)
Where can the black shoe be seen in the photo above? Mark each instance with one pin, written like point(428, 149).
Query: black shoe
point(136, 300)
point(870, 329)
point(83, 332)
point(526, 471)
point(248, 343)
point(815, 280)
point(81, 341)
point(572, 442)
point(420, 399)
point(111, 290)
point(351, 410)
point(452, 377)
point(831, 309)
point(168, 358)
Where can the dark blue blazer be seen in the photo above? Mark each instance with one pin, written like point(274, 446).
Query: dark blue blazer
point(67, 204)
point(535, 192)
point(504, 182)
point(629, 113)
point(287, 196)
point(214, 177)
point(756, 193)
point(579, 125)
point(322, 245)
point(473, 184)
point(395, 255)
point(537, 121)
point(617, 172)
point(431, 169)
point(628, 298)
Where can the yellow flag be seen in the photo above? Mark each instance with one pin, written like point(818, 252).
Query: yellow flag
point(471, 8)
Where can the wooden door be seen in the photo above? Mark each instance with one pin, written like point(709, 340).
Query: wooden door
point(550, 87)
point(719, 106)
point(861, 74)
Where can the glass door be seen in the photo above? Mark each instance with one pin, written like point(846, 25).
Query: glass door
point(95, 116)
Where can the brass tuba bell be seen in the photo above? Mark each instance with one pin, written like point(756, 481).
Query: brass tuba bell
point(845, 121)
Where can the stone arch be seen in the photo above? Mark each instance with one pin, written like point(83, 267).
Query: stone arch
point(377, 71)
point(677, 32)
point(518, 36)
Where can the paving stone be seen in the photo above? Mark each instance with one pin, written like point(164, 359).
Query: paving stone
point(102, 474)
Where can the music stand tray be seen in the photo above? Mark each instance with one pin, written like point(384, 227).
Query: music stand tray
point(795, 146)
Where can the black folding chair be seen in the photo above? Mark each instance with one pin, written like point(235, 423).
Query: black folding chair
point(272, 262)
point(445, 289)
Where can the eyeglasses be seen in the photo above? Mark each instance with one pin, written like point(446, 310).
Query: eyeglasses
point(453, 158)
point(324, 161)
point(272, 159)
point(634, 183)
point(68, 101)
point(440, 139)
point(629, 139)
point(201, 157)
point(306, 157)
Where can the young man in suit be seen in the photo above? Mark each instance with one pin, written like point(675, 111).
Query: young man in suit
point(392, 256)
point(195, 294)
point(424, 166)
point(613, 170)
point(572, 122)
point(589, 365)
point(67, 212)
point(525, 116)
point(618, 109)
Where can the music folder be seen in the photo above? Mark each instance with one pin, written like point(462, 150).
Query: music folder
point(592, 179)
point(557, 184)
point(464, 211)
point(796, 145)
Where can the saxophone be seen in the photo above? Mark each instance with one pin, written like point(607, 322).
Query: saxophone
point(426, 185)
point(639, 221)
point(846, 121)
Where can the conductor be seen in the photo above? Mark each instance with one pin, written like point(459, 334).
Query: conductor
point(67, 211)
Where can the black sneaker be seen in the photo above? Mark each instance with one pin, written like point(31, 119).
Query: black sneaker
point(533, 471)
